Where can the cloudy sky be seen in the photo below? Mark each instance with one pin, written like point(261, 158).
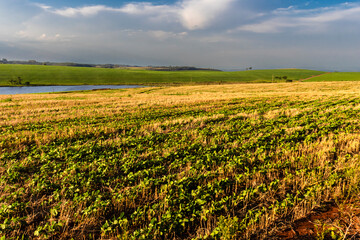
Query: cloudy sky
point(226, 34)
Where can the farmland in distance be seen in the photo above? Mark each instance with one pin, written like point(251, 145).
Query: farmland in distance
point(335, 77)
point(63, 75)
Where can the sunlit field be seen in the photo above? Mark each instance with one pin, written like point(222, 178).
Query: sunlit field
point(236, 161)
point(336, 76)
point(60, 75)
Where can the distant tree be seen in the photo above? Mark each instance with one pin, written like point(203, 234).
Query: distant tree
point(17, 81)
point(284, 77)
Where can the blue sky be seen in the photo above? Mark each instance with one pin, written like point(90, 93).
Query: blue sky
point(226, 34)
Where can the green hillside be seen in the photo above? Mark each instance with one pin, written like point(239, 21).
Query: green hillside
point(58, 75)
point(336, 76)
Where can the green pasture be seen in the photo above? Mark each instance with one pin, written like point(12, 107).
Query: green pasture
point(59, 75)
point(336, 76)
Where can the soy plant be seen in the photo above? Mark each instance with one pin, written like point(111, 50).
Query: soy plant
point(228, 168)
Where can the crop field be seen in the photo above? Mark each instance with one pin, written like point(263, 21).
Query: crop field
point(336, 76)
point(237, 161)
point(56, 75)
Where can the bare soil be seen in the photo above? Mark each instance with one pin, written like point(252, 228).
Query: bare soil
point(343, 221)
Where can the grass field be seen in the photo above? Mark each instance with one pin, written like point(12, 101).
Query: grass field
point(336, 76)
point(55, 75)
point(192, 162)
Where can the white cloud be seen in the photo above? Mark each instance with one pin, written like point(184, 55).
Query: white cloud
point(192, 14)
point(147, 9)
point(268, 26)
point(84, 11)
point(42, 6)
point(291, 18)
point(43, 37)
point(197, 14)
point(163, 35)
point(334, 15)
point(46, 37)
point(131, 8)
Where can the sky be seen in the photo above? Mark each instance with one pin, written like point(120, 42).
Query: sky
point(223, 34)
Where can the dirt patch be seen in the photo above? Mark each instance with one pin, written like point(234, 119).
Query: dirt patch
point(329, 222)
point(314, 76)
point(308, 228)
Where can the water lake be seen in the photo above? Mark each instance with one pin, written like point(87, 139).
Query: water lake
point(44, 89)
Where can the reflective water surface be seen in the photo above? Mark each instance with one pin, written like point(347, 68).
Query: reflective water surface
point(44, 89)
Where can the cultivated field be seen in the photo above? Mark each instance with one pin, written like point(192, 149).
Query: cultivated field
point(239, 161)
point(335, 76)
point(56, 75)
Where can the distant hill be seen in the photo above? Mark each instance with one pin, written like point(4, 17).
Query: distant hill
point(180, 68)
point(71, 64)
point(64, 64)
point(66, 75)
